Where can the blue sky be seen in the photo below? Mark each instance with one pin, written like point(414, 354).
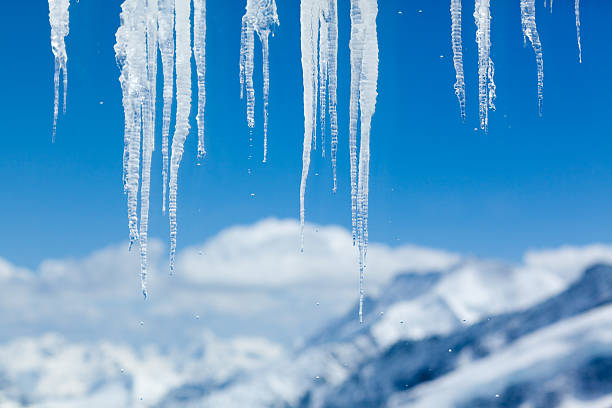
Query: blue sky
point(530, 182)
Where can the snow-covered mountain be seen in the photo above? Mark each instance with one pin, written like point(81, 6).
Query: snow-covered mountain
point(451, 332)
point(417, 350)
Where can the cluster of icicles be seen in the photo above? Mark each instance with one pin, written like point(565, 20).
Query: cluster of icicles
point(164, 26)
point(486, 84)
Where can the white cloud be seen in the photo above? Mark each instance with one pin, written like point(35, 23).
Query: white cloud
point(254, 280)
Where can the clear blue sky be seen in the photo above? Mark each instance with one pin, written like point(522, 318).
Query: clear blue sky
point(530, 182)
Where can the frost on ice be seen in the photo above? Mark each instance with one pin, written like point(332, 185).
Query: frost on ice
point(364, 77)
point(260, 18)
point(530, 32)
point(319, 46)
point(146, 26)
point(58, 18)
point(455, 10)
point(486, 86)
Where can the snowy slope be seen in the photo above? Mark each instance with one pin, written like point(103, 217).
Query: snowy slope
point(53, 372)
point(415, 332)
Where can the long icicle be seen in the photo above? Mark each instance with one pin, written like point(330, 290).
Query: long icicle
point(199, 53)
point(59, 20)
point(319, 37)
point(130, 51)
point(148, 136)
point(530, 31)
point(577, 12)
point(486, 85)
point(332, 71)
point(166, 48)
point(364, 78)
point(260, 17)
point(309, 21)
point(455, 11)
point(183, 107)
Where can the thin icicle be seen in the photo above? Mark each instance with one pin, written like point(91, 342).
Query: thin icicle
point(577, 12)
point(199, 52)
point(59, 20)
point(319, 39)
point(260, 18)
point(332, 86)
point(486, 85)
point(266, 87)
point(530, 31)
point(309, 22)
point(148, 136)
point(455, 11)
point(130, 51)
point(364, 78)
point(183, 107)
point(166, 48)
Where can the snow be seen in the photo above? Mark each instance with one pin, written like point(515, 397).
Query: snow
point(535, 356)
point(59, 20)
point(260, 17)
point(530, 31)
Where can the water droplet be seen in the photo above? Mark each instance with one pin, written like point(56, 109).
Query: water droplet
point(198, 317)
point(122, 370)
point(420, 11)
point(140, 398)
point(317, 303)
point(252, 195)
point(401, 322)
point(382, 313)
point(441, 56)
point(199, 252)
point(496, 395)
point(101, 102)
point(141, 323)
point(450, 350)
point(317, 377)
point(400, 12)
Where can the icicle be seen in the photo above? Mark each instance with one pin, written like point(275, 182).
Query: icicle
point(199, 52)
point(309, 21)
point(530, 31)
point(319, 38)
point(486, 85)
point(455, 10)
point(130, 51)
point(364, 77)
point(266, 87)
point(577, 12)
point(58, 18)
point(332, 86)
point(183, 107)
point(260, 17)
point(166, 48)
point(148, 135)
